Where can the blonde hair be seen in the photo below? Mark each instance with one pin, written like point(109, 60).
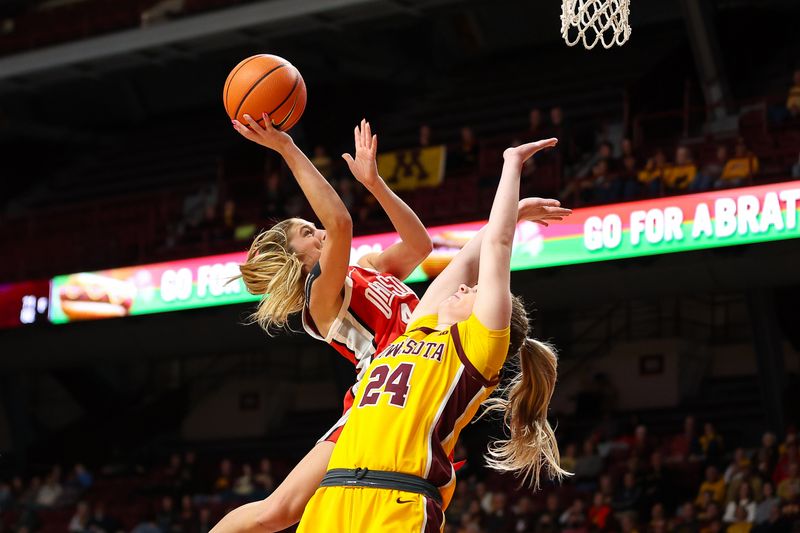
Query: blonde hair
point(274, 270)
point(531, 445)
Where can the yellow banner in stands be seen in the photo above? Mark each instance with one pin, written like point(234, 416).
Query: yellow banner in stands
point(405, 170)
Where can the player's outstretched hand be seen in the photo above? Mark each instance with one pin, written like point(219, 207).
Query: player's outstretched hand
point(541, 210)
point(364, 166)
point(265, 135)
point(523, 152)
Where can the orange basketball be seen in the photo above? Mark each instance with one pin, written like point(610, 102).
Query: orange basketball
point(265, 84)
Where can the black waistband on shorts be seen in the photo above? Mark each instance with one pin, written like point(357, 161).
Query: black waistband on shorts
point(378, 479)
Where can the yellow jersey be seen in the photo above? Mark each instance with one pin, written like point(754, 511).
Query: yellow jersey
point(417, 396)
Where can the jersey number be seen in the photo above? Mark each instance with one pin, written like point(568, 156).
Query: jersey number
point(383, 381)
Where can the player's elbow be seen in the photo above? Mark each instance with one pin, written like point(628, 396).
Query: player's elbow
point(341, 224)
point(424, 247)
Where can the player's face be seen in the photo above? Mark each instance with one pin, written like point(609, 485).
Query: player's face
point(307, 241)
point(458, 307)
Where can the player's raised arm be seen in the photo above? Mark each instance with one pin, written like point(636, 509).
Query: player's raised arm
point(415, 244)
point(493, 301)
point(464, 267)
point(326, 205)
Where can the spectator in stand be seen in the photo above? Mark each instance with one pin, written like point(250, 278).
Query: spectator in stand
point(100, 522)
point(744, 500)
point(658, 520)
point(80, 520)
point(523, 518)
point(604, 185)
point(588, 467)
point(187, 518)
point(626, 148)
point(739, 467)
point(82, 477)
point(466, 156)
point(652, 176)
point(273, 197)
point(787, 454)
point(791, 484)
point(685, 521)
point(628, 523)
point(793, 98)
point(50, 492)
point(323, 162)
point(425, 136)
point(628, 180)
point(683, 173)
point(188, 470)
point(713, 484)
point(708, 516)
point(569, 458)
point(230, 228)
point(166, 517)
point(574, 518)
point(345, 189)
point(774, 524)
point(498, 519)
point(224, 480)
point(244, 486)
point(655, 483)
point(686, 446)
point(796, 168)
point(711, 171)
point(204, 521)
point(560, 129)
point(629, 495)
point(739, 169)
point(768, 452)
point(599, 513)
point(549, 519)
point(769, 502)
point(790, 506)
point(148, 525)
point(6, 496)
point(740, 523)
point(265, 481)
point(536, 128)
point(711, 444)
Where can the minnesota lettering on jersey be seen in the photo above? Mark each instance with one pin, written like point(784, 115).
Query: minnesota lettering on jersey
point(426, 350)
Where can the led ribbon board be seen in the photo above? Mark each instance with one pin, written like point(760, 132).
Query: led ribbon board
point(617, 231)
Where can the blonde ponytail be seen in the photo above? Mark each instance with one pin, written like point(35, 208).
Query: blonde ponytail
point(531, 445)
point(274, 271)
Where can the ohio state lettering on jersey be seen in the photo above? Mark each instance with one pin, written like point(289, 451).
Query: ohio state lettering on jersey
point(376, 308)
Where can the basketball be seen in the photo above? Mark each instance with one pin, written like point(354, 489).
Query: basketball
point(269, 84)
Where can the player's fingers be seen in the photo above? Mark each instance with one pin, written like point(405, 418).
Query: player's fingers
point(243, 130)
point(368, 134)
point(374, 149)
point(357, 137)
point(364, 137)
point(348, 159)
point(542, 223)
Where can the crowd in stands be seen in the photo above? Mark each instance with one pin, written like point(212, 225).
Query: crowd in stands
point(579, 175)
point(693, 481)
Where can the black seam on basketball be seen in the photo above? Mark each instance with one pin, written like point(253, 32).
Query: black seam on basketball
point(296, 80)
point(252, 87)
point(282, 122)
point(230, 80)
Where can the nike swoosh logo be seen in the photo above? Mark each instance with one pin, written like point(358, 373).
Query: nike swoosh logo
point(404, 501)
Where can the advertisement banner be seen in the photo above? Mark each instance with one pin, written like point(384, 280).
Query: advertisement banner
point(23, 303)
point(405, 170)
point(618, 231)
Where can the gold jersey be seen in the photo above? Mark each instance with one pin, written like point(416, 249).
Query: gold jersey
point(416, 397)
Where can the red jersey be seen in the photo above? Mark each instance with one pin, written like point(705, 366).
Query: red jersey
point(375, 311)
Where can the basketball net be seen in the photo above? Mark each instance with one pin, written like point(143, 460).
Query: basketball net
point(593, 21)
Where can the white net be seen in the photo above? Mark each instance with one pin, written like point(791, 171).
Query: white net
point(595, 21)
